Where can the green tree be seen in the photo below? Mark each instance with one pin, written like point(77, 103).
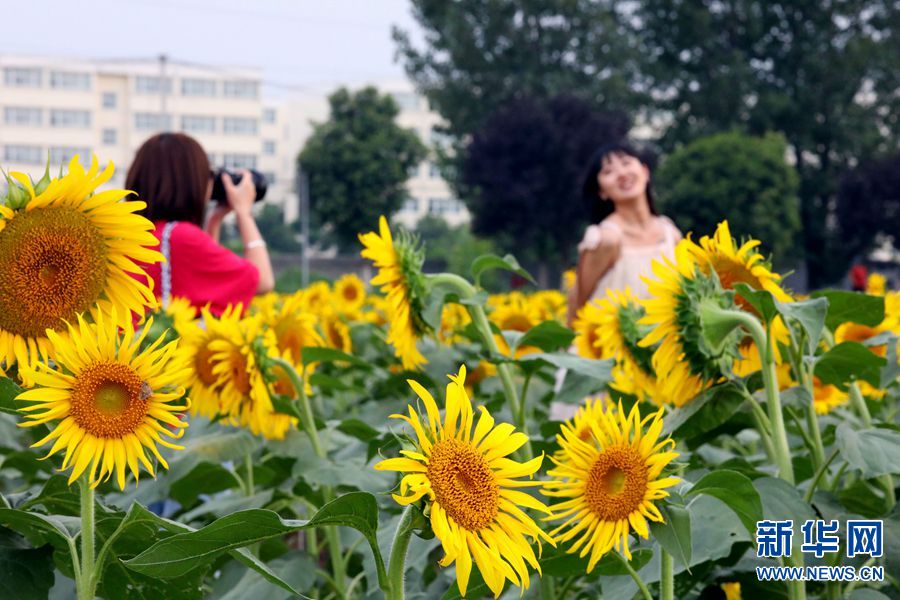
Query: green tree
point(278, 235)
point(822, 73)
point(480, 54)
point(737, 177)
point(358, 163)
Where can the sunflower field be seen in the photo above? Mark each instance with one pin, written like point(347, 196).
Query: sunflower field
point(417, 436)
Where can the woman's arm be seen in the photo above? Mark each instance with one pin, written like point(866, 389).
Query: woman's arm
point(241, 198)
point(593, 263)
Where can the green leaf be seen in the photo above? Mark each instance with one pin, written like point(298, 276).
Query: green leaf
point(761, 300)
point(597, 369)
point(317, 354)
point(284, 405)
point(205, 478)
point(867, 594)
point(358, 429)
point(875, 452)
point(8, 391)
point(891, 371)
point(27, 573)
point(851, 307)
point(556, 562)
point(736, 491)
point(848, 361)
point(38, 528)
point(674, 534)
point(486, 262)
point(185, 552)
point(782, 501)
point(296, 568)
point(548, 336)
point(704, 413)
point(811, 316)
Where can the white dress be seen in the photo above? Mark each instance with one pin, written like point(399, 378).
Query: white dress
point(633, 263)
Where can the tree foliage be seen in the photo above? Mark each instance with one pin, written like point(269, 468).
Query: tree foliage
point(480, 54)
point(358, 163)
point(278, 235)
point(823, 74)
point(869, 204)
point(737, 177)
point(523, 172)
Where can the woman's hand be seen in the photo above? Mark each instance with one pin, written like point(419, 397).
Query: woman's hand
point(241, 196)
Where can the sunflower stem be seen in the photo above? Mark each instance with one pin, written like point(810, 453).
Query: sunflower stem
point(88, 581)
point(886, 481)
point(516, 405)
point(634, 575)
point(807, 497)
point(248, 466)
point(309, 424)
point(399, 547)
point(467, 291)
point(812, 420)
point(762, 423)
point(666, 577)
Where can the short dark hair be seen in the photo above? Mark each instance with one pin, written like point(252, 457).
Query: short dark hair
point(170, 172)
point(590, 188)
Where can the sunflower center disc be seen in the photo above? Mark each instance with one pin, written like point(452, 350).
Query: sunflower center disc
point(107, 401)
point(53, 265)
point(463, 484)
point(617, 483)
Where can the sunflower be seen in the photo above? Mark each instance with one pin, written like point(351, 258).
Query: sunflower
point(588, 326)
point(204, 384)
point(316, 298)
point(734, 263)
point(827, 397)
point(243, 394)
point(514, 314)
point(580, 426)
point(684, 363)
point(732, 590)
point(607, 484)
point(471, 488)
point(111, 399)
point(550, 305)
point(400, 278)
point(336, 332)
point(619, 335)
point(876, 284)
point(454, 318)
point(349, 294)
point(854, 332)
point(65, 251)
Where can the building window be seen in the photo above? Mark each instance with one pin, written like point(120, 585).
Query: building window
point(239, 161)
point(152, 121)
point(22, 77)
point(406, 100)
point(152, 85)
point(18, 153)
point(269, 115)
point(62, 155)
point(443, 206)
point(109, 99)
point(23, 115)
point(65, 80)
point(411, 205)
point(60, 117)
point(268, 147)
point(240, 126)
point(198, 87)
point(434, 171)
point(109, 137)
point(198, 124)
point(241, 89)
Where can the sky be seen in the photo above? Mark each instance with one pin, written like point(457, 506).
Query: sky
point(299, 44)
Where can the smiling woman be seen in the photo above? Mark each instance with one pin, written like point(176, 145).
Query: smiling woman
point(627, 234)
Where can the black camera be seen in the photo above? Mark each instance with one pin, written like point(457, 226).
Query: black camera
point(218, 191)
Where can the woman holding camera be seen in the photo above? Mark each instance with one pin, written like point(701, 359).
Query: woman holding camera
point(171, 173)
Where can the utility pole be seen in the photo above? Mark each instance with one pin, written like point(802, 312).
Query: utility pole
point(163, 92)
point(303, 197)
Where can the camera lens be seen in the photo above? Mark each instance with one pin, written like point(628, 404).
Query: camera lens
point(218, 191)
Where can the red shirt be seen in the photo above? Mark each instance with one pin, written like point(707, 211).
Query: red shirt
point(203, 271)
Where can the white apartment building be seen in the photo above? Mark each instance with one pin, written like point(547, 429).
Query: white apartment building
point(61, 107)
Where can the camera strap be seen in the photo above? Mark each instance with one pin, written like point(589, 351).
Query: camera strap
point(166, 275)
